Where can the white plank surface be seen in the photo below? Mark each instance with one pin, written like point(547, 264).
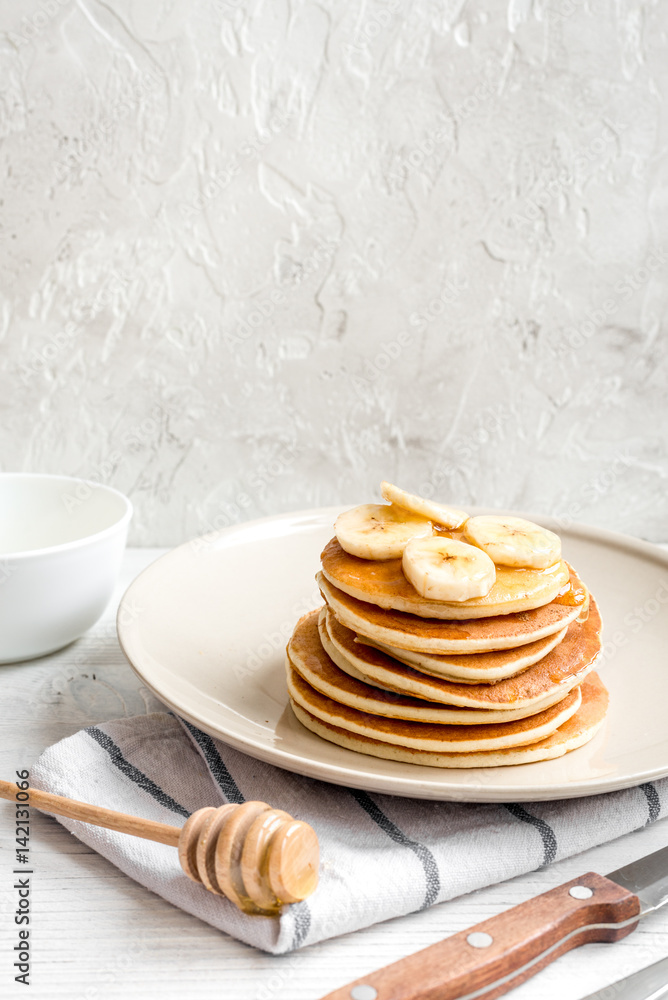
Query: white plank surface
point(95, 934)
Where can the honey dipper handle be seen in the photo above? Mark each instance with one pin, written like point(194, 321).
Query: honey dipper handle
point(162, 833)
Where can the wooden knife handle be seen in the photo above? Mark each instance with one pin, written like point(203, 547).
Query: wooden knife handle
point(498, 954)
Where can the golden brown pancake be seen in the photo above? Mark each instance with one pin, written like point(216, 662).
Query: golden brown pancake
point(574, 733)
point(430, 736)
point(319, 669)
point(369, 670)
point(382, 582)
point(429, 635)
point(546, 681)
point(476, 668)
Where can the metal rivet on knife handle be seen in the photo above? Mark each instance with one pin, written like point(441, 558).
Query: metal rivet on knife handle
point(518, 943)
point(363, 992)
point(581, 892)
point(478, 939)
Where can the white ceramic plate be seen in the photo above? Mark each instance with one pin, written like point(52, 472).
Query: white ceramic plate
point(206, 625)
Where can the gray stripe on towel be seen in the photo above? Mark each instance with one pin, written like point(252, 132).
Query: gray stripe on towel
point(547, 834)
point(233, 793)
point(133, 773)
point(217, 766)
point(653, 802)
point(427, 859)
point(302, 916)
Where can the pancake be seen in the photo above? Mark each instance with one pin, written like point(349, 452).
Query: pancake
point(307, 653)
point(428, 635)
point(546, 681)
point(382, 582)
point(574, 733)
point(429, 736)
point(476, 668)
point(398, 678)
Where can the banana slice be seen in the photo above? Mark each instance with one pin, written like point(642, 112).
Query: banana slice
point(512, 541)
point(378, 531)
point(448, 517)
point(445, 569)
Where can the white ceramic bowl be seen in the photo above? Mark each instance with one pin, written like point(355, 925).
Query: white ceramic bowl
point(61, 545)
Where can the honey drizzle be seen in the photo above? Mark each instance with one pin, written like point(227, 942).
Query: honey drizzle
point(571, 596)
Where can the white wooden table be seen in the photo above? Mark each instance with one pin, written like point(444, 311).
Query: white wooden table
point(97, 935)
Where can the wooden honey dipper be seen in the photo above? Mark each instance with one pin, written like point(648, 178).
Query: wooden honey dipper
point(256, 856)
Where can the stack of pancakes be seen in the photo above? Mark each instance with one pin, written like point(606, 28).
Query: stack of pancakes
point(506, 678)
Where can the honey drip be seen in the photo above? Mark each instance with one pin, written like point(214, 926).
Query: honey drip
point(443, 532)
point(571, 596)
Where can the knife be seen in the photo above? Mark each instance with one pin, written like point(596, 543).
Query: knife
point(648, 984)
point(494, 956)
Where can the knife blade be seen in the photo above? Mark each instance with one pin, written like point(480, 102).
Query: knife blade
point(647, 878)
point(492, 957)
point(647, 984)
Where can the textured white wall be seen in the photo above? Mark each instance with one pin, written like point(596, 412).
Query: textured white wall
point(256, 255)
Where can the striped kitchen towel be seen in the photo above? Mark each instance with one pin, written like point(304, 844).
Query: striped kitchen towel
point(382, 856)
